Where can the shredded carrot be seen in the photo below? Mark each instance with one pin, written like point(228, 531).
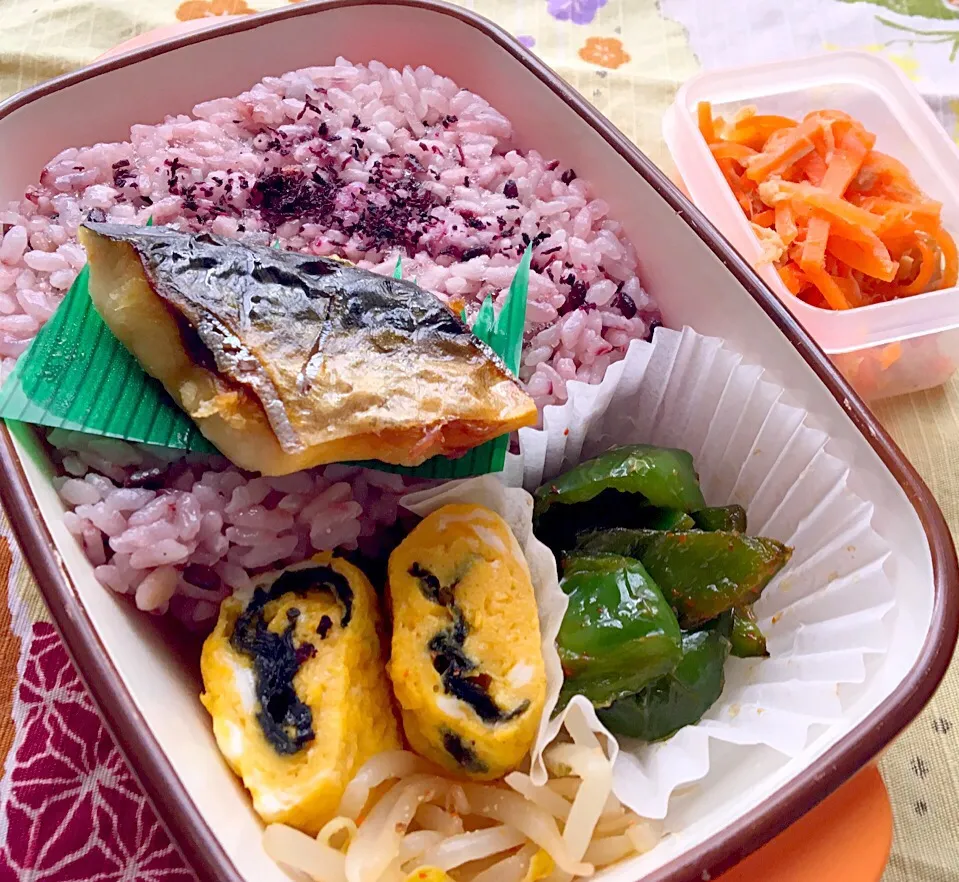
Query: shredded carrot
point(928, 264)
point(927, 209)
point(706, 122)
point(786, 223)
point(814, 168)
point(831, 292)
point(825, 140)
point(874, 262)
point(889, 355)
point(819, 198)
point(754, 131)
point(892, 170)
point(792, 278)
point(791, 148)
point(845, 162)
point(847, 224)
point(737, 152)
point(851, 291)
point(813, 254)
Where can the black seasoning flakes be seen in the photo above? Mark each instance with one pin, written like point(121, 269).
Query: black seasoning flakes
point(309, 105)
point(626, 304)
point(576, 297)
point(323, 628)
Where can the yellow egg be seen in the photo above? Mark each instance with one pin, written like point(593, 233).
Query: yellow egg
point(467, 663)
point(294, 678)
point(540, 866)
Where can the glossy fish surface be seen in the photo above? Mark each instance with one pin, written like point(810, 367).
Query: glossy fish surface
point(287, 360)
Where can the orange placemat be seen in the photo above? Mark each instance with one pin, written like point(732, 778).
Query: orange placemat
point(846, 838)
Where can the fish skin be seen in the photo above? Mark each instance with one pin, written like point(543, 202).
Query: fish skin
point(320, 342)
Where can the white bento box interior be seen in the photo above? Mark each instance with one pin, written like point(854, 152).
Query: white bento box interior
point(679, 270)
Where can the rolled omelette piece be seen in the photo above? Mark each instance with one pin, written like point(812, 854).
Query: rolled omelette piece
point(286, 361)
point(467, 662)
point(294, 677)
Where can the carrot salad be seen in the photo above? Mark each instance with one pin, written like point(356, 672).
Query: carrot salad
point(844, 224)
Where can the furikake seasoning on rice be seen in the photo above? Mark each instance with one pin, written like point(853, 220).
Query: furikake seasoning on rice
point(360, 162)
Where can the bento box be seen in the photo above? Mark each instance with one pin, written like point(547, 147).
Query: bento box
point(148, 688)
point(883, 349)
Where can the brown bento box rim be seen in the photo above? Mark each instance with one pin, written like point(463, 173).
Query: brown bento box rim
point(702, 862)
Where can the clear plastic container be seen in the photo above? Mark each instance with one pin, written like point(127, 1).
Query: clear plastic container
point(885, 349)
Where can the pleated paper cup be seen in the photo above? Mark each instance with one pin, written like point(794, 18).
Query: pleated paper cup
point(823, 615)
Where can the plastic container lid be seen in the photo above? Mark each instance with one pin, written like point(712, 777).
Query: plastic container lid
point(879, 95)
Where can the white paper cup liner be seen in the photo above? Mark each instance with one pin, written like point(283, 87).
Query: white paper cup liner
point(822, 615)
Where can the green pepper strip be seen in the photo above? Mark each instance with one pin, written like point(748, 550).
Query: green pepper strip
point(680, 698)
point(663, 476)
point(747, 638)
point(706, 574)
point(726, 518)
point(618, 633)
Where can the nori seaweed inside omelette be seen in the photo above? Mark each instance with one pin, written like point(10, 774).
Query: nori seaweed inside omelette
point(295, 681)
point(467, 663)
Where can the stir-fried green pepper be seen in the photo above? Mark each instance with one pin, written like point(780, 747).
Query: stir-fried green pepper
point(643, 557)
point(667, 519)
point(747, 639)
point(618, 633)
point(607, 526)
point(705, 574)
point(626, 487)
point(663, 476)
point(625, 541)
point(681, 697)
point(725, 518)
point(561, 525)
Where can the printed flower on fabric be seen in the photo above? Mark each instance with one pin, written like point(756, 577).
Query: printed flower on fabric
point(605, 52)
point(78, 813)
point(941, 9)
point(191, 9)
point(905, 60)
point(576, 11)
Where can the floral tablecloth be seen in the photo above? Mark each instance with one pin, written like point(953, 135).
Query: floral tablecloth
point(69, 807)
